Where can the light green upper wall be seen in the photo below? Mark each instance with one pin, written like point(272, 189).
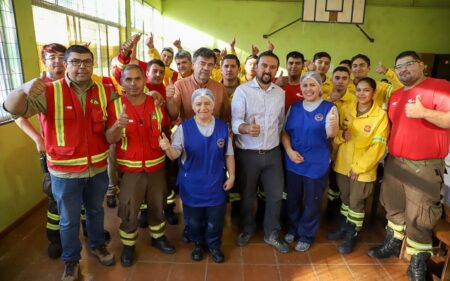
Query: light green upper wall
point(20, 176)
point(394, 28)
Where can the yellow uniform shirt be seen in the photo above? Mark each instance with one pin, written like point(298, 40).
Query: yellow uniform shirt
point(327, 87)
point(216, 74)
point(367, 144)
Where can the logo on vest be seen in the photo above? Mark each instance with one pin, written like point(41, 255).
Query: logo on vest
point(367, 128)
point(68, 107)
point(94, 100)
point(394, 104)
point(318, 117)
point(220, 143)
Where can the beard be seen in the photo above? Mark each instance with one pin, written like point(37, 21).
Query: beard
point(265, 78)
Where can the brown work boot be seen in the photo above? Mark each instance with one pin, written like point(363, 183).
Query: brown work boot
point(71, 271)
point(103, 256)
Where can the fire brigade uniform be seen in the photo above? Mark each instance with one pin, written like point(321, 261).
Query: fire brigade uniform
point(141, 160)
point(327, 87)
point(359, 154)
point(333, 189)
point(413, 178)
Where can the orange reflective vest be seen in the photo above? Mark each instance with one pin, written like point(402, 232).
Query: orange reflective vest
point(73, 139)
point(138, 150)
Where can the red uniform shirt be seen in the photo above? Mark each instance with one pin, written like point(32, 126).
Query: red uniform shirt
point(292, 94)
point(418, 139)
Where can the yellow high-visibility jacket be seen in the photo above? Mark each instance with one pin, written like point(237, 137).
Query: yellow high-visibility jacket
point(367, 144)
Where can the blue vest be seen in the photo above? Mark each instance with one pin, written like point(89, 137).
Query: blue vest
point(202, 175)
point(309, 138)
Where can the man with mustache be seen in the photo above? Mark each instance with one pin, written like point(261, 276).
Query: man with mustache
point(257, 121)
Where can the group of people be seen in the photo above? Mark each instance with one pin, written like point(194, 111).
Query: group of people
point(289, 137)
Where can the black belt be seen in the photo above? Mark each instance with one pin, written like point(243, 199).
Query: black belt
point(260, 151)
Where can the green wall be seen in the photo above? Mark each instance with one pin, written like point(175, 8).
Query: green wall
point(20, 176)
point(394, 28)
point(216, 22)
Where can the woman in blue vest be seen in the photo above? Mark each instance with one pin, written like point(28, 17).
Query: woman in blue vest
point(309, 125)
point(206, 154)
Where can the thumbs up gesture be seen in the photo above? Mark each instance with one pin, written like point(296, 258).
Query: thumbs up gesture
point(164, 142)
point(36, 86)
point(149, 41)
point(122, 120)
point(170, 90)
point(381, 69)
point(415, 109)
point(270, 46)
point(333, 118)
point(254, 129)
point(281, 81)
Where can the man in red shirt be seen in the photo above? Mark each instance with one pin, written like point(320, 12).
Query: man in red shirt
point(294, 66)
point(419, 142)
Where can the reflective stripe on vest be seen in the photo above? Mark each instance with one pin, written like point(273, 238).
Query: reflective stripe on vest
point(102, 98)
point(138, 164)
point(59, 113)
point(79, 161)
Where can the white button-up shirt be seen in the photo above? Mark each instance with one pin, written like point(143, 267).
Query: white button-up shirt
point(267, 106)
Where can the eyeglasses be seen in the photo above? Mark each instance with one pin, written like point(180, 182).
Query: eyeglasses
point(77, 62)
point(406, 64)
point(54, 58)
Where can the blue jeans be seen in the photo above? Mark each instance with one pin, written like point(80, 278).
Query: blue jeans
point(206, 224)
point(70, 194)
point(307, 192)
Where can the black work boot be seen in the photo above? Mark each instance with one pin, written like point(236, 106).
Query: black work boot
point(171, 217)
point(349, 241)
point(417, 269)
point(142, 218)
point(390, 248)
point(54, 249)
point(163, 245)
point(333, 208)
point(127, 256)
point(339, 233)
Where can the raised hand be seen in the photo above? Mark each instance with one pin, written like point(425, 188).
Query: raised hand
point(177, 44)
point(170, 90)
point(164, 142)
point(149, 41)
point(36, 86)
point(270, 46)
point(254, 129)
point(255, 50)
point(123, 120)
point(381, 69)
point(233, 43)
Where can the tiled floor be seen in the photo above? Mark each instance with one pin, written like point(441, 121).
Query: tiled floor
point(23, 257)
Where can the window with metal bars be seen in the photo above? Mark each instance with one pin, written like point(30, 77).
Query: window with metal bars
point(11, 75)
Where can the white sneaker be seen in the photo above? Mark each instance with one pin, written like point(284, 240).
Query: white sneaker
point(302, 246)
point(289, 237)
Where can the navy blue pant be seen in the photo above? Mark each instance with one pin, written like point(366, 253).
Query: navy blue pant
point(304, 199)
point(206, 224)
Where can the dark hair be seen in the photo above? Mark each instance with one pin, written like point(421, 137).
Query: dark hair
point(215, 50)
point(347, 62)
point(157, 62)
point(409, 53)
point(295, 55)
point(205, 53)
point(342, 69)
point(167, 49)
point(372, 83)
point(231, 57)
point(129, 67)
point(77, 49)
point(251, 57)
point(183, 54)
point(52, 48)
point(268, 54)
point(363, 57)
point(321, 55)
